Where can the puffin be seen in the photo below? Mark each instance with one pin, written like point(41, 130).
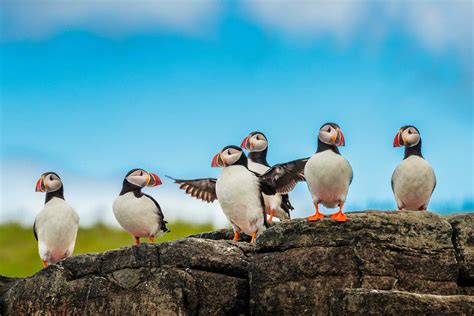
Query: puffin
point(239, 190)
point(277, 205)
point(328, 174)
point(413, 180)
point(55, 227)
point(137, 212)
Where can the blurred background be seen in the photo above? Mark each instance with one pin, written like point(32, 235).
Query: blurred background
point(92, 89)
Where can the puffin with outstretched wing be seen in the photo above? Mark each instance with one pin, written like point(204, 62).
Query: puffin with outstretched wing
point(239, 190)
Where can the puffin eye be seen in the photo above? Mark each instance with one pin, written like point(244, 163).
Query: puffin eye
point(51, 178)
point(329, 129)
point(141, 173)
point(228, 152)
point(410, 132)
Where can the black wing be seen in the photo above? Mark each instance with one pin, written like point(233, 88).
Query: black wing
point(286, 204)
point(283, 177)
point(262, 202)
point(160, 214)
point(202, 189)
point(34, 230)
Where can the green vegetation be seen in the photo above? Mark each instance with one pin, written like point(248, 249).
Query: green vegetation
point(19, 252)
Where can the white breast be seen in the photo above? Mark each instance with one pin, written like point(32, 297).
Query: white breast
point(328, 176)
point(238, 193)
point(138, 216)
point(56, 227)
point(413, 183)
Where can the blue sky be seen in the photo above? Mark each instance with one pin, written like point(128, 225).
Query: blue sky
point(95, 89)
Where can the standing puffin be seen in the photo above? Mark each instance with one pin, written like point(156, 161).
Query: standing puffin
point(328, 174)
point(56, 225)
point(137, 212)
point(413, 181)
point(277, 205)
point(239, 190)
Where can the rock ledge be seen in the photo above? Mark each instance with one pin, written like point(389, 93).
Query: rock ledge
point(376, 263)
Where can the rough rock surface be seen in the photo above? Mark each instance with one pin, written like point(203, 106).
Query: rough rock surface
point(463, 241)
point(376, 263)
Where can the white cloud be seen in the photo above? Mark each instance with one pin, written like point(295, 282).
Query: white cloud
point(39, 19)
point(307, 18)
point(442, 24)
point(438, 25)
point(92, 197)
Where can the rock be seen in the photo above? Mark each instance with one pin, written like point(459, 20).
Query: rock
point(376, 250)
point(219, 256)
point(463, 241)
point(5, 284)
point(171, 278)
point(376, 263)
point(377, 302)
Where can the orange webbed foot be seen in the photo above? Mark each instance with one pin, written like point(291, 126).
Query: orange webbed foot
point(137, 241)
point(236, 236)
point(253, 237)
point(316, 217)
point(339, 216)
point(45, 264)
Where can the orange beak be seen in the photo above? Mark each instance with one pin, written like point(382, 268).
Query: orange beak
point(397, 141)
point(217, 161)
point(342, 140)
point(40, 185)
point(246, 144)
point(153, 180)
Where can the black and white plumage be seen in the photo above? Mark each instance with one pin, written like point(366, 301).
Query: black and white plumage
point(139, 213)
point(57, 223)
point(277, 205)
point(328, 174)
point(414, 180)
point(238, 190)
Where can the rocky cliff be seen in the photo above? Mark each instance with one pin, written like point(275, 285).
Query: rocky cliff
point(376, 263)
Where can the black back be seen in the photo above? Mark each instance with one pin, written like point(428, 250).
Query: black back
point(34, 230)
point(160, 214)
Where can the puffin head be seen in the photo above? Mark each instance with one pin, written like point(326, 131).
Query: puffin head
point(254, 142)
point(330, 134)
point(228, 156)
point(142, 178)
point(407, 136)
point(49, 182)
